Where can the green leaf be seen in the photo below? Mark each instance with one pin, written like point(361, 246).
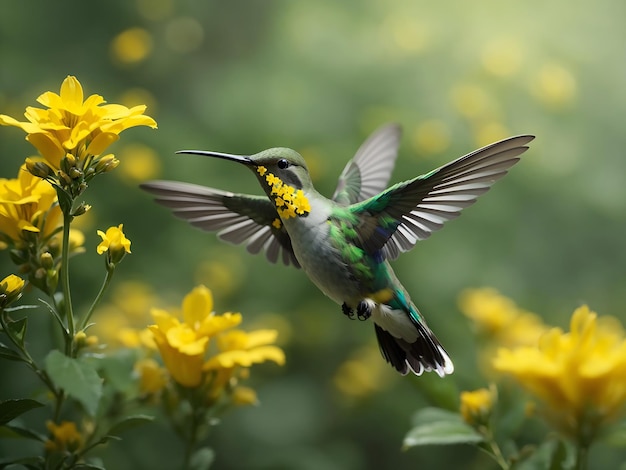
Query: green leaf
point(18, 329)
point(78, 378)
point(11, 409)
point(202, 459)
point(13, 431)
point(434, 426)
point(553, 454)
point(65, 200)
point(130, 422)
point(8, 353)
point(33, 463)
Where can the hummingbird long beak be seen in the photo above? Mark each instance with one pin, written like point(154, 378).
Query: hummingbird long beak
point(226, 156)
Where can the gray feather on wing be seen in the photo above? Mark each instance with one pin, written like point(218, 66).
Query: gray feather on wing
point(237, 218)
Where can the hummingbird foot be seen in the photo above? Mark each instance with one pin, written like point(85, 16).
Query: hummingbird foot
point(364, 310)
point(347, 311)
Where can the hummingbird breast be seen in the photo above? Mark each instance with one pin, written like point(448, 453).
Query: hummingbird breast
point(320, 259)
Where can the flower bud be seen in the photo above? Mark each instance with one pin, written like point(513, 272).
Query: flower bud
point(46, 260)
point(39, 169)
point(11, 288)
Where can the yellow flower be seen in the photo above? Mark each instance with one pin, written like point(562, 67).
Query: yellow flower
point(10, 289)
point(239, 348)
point(152, 377)
point(83, 128)
point(64, 436)
point(183, 345)
point(27, 205)
point(580, 375)
point(115, 243)
point(476, 406)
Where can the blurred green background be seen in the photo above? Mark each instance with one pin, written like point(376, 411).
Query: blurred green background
point(241, 76)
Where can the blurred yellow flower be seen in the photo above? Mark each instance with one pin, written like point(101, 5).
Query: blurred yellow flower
point(114, 242)
point(554, 86)
point(474, 102)
point(27, 205)
point(503, 56)
point(476, 406)
point(64, 437)
point(132, 45)
point(363, 374)
point(497, 318)
point(152, 377)
point(580, 375)
point(244, 396)
point(240, 348)
point(10, 289)
point(82, 128)
point(430, 137)
point(140, 163)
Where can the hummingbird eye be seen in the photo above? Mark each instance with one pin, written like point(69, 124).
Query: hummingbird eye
point(282, 164)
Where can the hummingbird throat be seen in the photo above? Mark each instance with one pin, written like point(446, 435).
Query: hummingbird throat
point(289, 201)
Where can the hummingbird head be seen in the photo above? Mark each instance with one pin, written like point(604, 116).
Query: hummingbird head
point(283, 174)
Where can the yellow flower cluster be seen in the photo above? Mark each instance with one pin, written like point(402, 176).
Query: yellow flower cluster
point(184, 345)
point(579, 375)
point(82, 128)
point(289, 201)
point(27, 205)
point(64, 437)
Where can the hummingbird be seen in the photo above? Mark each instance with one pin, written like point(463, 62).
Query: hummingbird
point(345, 244)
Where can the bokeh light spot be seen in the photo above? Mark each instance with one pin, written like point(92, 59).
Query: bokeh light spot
point(131, 46)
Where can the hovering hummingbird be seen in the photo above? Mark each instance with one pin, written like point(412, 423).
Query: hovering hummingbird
point(344, 244)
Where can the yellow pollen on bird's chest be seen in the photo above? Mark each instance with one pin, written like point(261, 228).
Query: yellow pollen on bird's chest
point(289, 201)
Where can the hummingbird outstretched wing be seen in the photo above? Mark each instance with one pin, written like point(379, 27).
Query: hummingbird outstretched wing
point(395, 220)
point(237, 218)
point(367, 174)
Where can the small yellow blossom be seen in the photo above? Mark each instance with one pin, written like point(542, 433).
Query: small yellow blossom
point(580, 375)
point(27, 205)
point(277, 224)
point(83, 128)
point(476, 406)
point(152, 377)
point(244, 396)
point(64, 437)
point(115, 243)
point(11, 288)
point(261, 170)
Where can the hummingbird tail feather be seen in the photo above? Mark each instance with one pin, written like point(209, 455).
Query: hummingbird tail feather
point(424, 354)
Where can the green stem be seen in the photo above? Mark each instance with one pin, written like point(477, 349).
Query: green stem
point(103, 288)
point(493, 449)
point(582, 453)
point(27, 358)
point(65, 282)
